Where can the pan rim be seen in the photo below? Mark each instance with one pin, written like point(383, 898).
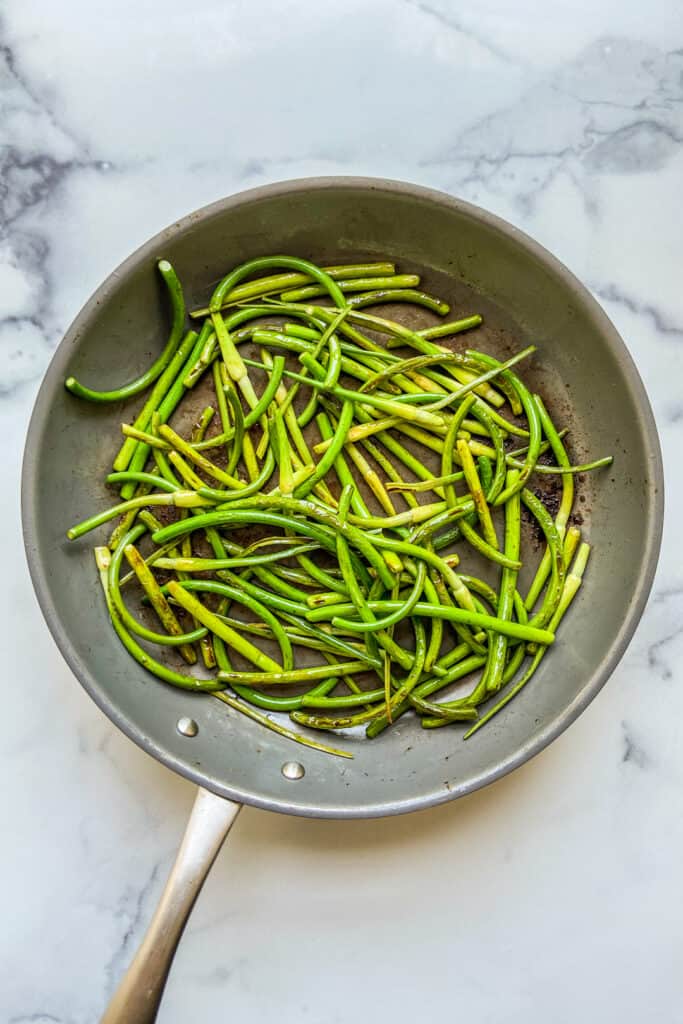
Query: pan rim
point(653, 531)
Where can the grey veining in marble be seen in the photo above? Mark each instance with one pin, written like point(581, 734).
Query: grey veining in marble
point(553, 895)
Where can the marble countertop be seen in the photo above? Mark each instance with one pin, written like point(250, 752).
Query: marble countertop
point(554, 894)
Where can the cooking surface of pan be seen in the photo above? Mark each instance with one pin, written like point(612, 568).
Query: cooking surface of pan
point(478, 264)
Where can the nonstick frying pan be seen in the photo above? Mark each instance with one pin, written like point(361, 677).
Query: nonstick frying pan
point(479, 264)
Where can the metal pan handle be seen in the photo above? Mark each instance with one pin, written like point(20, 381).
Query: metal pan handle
point(139, 994)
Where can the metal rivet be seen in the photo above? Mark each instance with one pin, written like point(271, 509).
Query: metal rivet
point(187, 727)
point(293, 770)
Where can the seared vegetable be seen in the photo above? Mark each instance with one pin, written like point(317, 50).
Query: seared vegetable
point(372, 476)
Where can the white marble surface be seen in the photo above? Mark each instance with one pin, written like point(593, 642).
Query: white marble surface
point(554, 895)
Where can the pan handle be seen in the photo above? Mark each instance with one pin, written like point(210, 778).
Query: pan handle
point(139, 994)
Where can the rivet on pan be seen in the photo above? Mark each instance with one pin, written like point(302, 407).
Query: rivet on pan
point(187, 726)
point(293, 770)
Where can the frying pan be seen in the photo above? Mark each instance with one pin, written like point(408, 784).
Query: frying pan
point(479, 264)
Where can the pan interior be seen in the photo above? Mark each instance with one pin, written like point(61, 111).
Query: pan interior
point(478, 265)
